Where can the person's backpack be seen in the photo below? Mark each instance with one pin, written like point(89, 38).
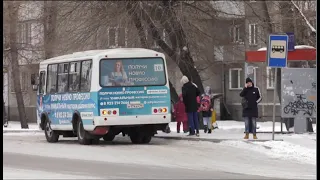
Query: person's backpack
point(205, 103)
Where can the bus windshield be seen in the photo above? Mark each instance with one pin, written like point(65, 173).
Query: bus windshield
point(132, 72)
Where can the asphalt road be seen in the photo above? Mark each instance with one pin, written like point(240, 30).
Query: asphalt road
point(162, 159)
point(108, 170)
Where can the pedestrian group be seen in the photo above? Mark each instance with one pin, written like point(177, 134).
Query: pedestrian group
point(191, 103)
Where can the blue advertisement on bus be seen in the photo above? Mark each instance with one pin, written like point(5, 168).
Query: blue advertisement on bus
point(132, 72)
point(133, 86)
point(60, 107)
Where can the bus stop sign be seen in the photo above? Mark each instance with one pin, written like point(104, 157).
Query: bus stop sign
point(277, 50)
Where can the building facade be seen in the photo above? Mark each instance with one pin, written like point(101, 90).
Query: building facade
point(237, 27)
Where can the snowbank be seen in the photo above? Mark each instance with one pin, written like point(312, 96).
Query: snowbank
point(279, 150)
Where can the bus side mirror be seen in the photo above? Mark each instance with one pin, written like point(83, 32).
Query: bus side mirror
point(34, 87)
point(34, 79)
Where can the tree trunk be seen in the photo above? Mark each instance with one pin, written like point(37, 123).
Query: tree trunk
point(143, 40)
point(269, 19)
point(49, 21)
point(5, 116)
point(15, 70)
point(182, 58)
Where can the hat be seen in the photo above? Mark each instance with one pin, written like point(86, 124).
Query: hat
point(184, 79)
point(248, 80)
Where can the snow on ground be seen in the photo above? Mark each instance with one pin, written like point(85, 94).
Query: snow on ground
point(179, 154)
point(294, 147)
point(239, 126)
point(13, 173)
point(234, 126)
point(14, 125)
point(278, 149)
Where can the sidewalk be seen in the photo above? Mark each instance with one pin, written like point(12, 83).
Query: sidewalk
point(228, 131)
point(15, 127)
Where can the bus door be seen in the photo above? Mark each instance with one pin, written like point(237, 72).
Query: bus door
point(41, 91)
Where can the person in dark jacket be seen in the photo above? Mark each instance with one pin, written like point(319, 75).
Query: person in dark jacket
point(251, 97)
point(189, 94)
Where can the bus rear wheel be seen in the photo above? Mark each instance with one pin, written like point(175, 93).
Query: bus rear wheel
point(109, 137)
point(51, 135)
point(83, 135)
point(139, 138)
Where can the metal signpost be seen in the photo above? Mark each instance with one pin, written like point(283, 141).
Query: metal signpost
point(277, 53)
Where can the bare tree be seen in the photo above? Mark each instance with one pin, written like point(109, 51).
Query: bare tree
point(12, 17)
point(49, 27)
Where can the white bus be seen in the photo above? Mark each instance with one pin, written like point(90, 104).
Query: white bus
point(102, 93)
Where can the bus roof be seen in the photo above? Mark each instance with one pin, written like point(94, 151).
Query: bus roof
point(112, 53)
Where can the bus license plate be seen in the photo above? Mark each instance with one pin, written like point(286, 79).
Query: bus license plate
point(135, 106)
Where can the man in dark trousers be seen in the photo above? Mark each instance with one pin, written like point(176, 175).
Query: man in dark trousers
point(251, 96)
point(189, 94)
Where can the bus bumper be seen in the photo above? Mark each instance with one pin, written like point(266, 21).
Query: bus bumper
point(127, 121)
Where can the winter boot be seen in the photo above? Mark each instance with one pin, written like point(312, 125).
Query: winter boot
point(246, 136)
point(209, 131)
point(191, 133)
point(255, 136)
point(205, 129)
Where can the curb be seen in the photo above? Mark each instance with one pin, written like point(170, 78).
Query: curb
point(21, 130)
point(211, 140)
point(277, 132)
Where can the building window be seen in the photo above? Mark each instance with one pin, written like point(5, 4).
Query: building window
point(122, 35)
point(24, 82)
point(152, 42)
point(24, 32)
point(253, 32)
point(117, 37)
point(218, 52)
point(270, 78)
point(236, 78)
point(313, 22)
point(235, 34)
point(252, 73)
point(112, 37)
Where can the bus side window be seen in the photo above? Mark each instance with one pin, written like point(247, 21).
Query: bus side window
point(85, 83)
point(63, 77)
point(74, 76)
point(52, 78)
point(42, 82)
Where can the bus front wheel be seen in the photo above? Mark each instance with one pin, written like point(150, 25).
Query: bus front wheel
point(51, 135)
point(83, 135)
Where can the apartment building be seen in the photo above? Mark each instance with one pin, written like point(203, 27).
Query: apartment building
point(237, 27)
